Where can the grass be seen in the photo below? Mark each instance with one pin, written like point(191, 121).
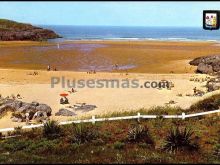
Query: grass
point(208, 104)
point(12, 25)
point(193, 140)
point(110, 142)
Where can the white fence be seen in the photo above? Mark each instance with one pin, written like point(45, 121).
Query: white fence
point(138, 116)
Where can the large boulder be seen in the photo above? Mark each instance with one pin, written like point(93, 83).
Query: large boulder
point(204, 68)
point(207, 64)
point(44, 108)
point(22, 110)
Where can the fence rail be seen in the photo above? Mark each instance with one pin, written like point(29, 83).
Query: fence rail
point(138, 116)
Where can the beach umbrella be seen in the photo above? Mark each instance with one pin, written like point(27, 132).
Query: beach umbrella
point(64, 94)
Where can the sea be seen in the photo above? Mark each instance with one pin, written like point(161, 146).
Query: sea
point(133, 33)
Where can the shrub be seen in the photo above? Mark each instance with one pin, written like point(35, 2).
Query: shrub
point(217, 151)
point(51, 129)
point(179, 139)
point(18, 130)
point(118, 145)
point(139, 133)
point(208, 104)
point(83, 133)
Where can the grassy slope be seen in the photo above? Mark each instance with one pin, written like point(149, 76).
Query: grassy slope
point(12, 25)
point(111, 146)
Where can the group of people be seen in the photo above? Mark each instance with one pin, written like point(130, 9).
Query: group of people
point(49, 68)
point(64, 100)
point(91, 72)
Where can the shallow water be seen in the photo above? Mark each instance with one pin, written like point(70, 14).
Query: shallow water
point(65, 56)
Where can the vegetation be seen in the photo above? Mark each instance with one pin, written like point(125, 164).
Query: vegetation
point(179, 140)
point(8, 24)
point(51, 129)
point(193, 140)
point(139, 133)
point(208, 104)
point(84, 133)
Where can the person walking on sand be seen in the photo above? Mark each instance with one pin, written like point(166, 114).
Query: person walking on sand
point(48, 68)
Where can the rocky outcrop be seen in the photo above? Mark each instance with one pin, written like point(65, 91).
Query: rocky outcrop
point(213, 85)
point(22, 110)
point(13, 31)
point(207, 64)
point(204, 68)
point(65, 112)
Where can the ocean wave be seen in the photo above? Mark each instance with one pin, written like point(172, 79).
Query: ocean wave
point(134, 39)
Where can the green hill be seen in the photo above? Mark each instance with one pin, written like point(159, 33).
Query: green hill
point(12, 31)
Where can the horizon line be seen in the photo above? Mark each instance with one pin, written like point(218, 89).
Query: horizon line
point(118, 26)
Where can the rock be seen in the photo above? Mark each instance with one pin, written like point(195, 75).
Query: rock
point(3, 108)
point(15, 119)
point(204, 68)
point(26, 107)
point(213, 86)
point(44, 108)
point(207, 64)
point(34, 103)
point(20, 109)
point(65, 112)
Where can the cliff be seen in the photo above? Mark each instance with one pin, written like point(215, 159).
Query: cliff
point(14, 31)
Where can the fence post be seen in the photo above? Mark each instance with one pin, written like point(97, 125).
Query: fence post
point(93, 119)
point(183, 116)
point(139, 115)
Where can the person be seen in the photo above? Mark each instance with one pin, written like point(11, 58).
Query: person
point(48, 68)
point(61, 101)
point(195, 90)
point(116, 66)
point(27, 118)
point(72, 90)
point(66, 101)
point(19, 96)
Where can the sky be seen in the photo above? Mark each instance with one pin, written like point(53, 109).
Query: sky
point(108, 13)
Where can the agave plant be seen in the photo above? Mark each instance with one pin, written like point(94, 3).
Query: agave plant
point(139, 133)
point(178, 139)
point(83, 133)
point(51, 129)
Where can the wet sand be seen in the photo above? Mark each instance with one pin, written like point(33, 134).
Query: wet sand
point(133, 56)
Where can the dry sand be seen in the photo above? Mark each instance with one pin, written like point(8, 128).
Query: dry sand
point(107, 100)
point(153, 60)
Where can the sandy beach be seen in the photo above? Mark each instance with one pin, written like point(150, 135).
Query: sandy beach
point(108, 100)
point(153, 61)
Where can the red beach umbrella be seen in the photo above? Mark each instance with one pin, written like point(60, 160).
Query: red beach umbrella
point(64, 94)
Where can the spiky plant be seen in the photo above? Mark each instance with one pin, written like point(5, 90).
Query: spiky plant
point(178, 139)
point(18, 130)
point(83, 133)
point(139, 133)
point(51, 129)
